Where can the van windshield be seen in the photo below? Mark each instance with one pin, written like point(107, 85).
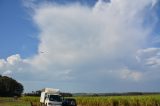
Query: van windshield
point(56, 98)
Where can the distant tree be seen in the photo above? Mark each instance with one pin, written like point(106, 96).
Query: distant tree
point(66, 94)
point(10, 87)
point(34, 93)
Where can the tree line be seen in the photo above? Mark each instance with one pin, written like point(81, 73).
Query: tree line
point(10, 87)
point(38, 93)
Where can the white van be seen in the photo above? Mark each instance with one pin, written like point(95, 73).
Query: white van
point(51, 97)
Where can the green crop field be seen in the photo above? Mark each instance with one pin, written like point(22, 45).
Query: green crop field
point(23, 101)
point(150, 100)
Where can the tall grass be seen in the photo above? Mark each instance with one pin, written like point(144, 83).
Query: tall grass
point(30, 99)
point(10, 101)
point(153, 100)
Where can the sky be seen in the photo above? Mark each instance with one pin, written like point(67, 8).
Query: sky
point(81, 45)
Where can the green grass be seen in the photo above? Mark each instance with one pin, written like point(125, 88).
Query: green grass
point(30, 99)
point(15, 104)
point(150, 100)
point(23, 101)
point(8, 101)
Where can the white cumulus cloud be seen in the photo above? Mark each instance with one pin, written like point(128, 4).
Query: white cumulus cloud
point(80, 45)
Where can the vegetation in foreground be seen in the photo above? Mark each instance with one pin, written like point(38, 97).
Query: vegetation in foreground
point(150, 100)
point(9, 101)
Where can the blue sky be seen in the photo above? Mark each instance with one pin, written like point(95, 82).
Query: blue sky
point(18, 34)
point(81, 45)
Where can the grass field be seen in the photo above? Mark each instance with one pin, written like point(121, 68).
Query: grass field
point(23, 101)
point(150, 100)
point(12, 102)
